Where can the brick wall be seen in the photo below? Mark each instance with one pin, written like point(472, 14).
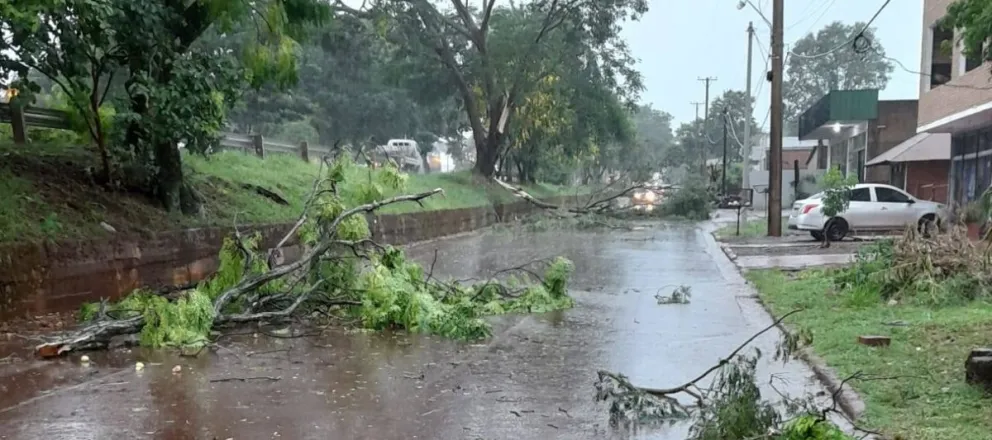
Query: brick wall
point(928, 180)
point(895, 124)
point(44, 277)
point(962, 92)
point(790, 155)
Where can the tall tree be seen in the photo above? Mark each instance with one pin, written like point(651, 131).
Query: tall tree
point(496, 61)
point(704, 139)
point(179, 91)
point(825, 61)
point(68, 44)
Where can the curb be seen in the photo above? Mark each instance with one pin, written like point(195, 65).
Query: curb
point(847, 399)
point(850, 401)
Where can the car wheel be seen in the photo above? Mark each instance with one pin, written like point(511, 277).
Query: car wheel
point(927, 225)
point(836, 229)
point(817, 235)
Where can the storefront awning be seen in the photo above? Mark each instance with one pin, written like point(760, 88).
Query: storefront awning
point(919, 148)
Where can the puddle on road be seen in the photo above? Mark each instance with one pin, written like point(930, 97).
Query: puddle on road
point(534, 379)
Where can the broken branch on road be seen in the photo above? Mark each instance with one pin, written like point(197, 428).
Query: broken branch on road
point(342, 275)
point(592, 206)
point(634, 404)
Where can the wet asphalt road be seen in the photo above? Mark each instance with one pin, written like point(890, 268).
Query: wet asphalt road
point(533, 380)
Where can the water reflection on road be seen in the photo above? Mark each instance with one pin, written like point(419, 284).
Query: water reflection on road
point(532, 380)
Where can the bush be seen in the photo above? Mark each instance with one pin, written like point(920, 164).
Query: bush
point(693, 201)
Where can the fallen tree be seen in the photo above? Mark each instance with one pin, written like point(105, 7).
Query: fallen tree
point(591, 205)
point(342, 273)
point(692, 201)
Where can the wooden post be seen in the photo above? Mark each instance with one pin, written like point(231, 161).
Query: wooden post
point(259, 144)
point(305, 151)
point(18, 124)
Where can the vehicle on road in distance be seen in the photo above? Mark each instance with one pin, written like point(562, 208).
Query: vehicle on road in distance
point(873, 207)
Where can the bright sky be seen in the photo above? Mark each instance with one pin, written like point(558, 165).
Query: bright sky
point(680, 41)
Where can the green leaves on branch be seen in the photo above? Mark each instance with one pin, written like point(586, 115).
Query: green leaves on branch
point(836, 191)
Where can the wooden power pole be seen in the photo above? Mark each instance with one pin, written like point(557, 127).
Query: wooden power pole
point(775, 162)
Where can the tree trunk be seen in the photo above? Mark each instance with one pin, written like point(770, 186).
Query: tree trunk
point(170, 175)
point(486, 157)
point(427, 164)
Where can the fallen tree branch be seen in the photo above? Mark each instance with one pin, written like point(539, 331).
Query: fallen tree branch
point(245, 379)
point(261, 316)
point(99, 332)
point(589, 207)
point(96, 332)
point(722, 362)
point(631, 402)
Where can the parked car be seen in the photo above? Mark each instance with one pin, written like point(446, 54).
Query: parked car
point(873, 207)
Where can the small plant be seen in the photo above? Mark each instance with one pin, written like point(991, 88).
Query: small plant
point(50, 225)
point(836, 197)
point(680, 295)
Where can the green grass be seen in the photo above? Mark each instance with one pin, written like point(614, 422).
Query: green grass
point(46, 193)
point(926, 397)
point(749, 229)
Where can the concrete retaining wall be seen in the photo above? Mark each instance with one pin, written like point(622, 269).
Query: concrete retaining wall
point(38, 278)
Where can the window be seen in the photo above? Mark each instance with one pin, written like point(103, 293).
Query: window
point(889, 195)
point(940, 55)
point(860, 195)
point(970, 61)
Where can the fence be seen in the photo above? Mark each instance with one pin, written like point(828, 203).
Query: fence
point(20, 118)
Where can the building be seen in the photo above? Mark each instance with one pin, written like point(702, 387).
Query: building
point(956, 99)
point(794, 150)
point(760, 143)
point(852, 127)
point(919, 165)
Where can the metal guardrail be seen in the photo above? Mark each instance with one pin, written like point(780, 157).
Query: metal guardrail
point(38, 117)
point(60, 120)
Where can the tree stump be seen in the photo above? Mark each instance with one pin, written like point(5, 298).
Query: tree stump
point(978, 368)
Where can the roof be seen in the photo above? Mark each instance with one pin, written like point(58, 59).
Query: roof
point(919, 148)
point(794, 143)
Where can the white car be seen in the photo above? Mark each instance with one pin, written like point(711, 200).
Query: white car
point(873, 207)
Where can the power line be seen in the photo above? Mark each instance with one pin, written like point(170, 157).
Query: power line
point(854, 40)
point(914, 72)
point(807, 13)
point(820, 17)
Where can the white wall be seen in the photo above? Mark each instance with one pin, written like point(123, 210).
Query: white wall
point(759, 182)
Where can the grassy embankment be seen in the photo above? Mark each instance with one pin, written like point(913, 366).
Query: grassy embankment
point(915, 388)
point(47, 194)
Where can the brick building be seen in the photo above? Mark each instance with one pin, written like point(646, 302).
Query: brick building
point(852, 127)
point(956, 99)
point(919, 165)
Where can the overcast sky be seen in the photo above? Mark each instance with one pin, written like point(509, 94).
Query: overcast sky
point(678, 41)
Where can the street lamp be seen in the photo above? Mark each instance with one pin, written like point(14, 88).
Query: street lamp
point(742, 3)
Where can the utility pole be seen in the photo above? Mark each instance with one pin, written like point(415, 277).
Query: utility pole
point(706, 108)
point(696, 104)
point(704, 137)
point(723, 176)
point(746, 153)
point(775, 167)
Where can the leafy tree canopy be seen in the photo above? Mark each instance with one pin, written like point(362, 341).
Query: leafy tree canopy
point(826, 60)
